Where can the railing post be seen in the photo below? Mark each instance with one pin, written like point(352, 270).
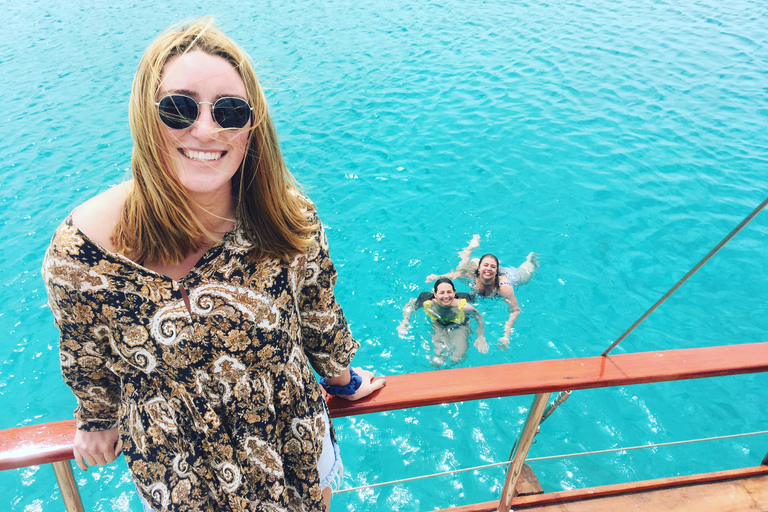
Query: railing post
point(67, 486)
point(521, 450)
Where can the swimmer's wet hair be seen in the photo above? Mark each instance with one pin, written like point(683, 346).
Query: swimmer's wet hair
point(441, 281)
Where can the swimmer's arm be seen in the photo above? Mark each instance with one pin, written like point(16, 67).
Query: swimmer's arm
point(508, 294)
point(454, 274)
point(409, 308)
point(480, 343)
point(434, 277)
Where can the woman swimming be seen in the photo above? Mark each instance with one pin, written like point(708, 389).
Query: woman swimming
point(488, 279)
point(449, 316)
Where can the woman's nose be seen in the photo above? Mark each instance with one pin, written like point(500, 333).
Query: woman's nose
point(205, 126)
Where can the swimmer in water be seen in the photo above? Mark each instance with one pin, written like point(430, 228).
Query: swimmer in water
point(449, 316)
point(488, 279)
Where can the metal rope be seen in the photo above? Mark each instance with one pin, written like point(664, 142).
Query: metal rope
point(672, 443)
point(534, 459)
point(689, 274)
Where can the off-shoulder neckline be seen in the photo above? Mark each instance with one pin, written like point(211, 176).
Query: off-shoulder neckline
point(139, 266)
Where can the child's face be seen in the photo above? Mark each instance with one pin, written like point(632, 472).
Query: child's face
point(444, 294)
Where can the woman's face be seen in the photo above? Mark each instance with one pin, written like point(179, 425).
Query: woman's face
point(205, 155)
point(487, 268)
point(445, 294)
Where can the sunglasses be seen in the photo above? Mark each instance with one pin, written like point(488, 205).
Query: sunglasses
point(180, 112)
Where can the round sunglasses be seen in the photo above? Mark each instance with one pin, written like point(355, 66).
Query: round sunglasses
point(179, 112)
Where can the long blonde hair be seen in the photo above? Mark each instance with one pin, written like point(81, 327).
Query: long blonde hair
point(158, 223)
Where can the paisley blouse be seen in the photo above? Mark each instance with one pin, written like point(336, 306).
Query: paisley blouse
point(217, 407)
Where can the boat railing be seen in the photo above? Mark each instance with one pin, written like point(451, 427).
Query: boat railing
point(51, 443)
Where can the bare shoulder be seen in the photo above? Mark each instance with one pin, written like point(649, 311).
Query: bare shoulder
point(508, 293)
point(98, 216)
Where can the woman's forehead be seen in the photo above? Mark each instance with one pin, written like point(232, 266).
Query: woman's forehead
point(201, 72)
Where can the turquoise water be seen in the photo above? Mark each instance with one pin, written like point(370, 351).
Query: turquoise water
point(620, 140)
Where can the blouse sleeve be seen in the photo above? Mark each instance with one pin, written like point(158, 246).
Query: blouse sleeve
point(328, 343)
point(84, 348)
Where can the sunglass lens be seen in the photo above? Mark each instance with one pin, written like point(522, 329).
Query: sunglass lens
point(232, 112)
point(178, 112)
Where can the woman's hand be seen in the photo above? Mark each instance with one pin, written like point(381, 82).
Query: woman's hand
point(96, 448)
point(481, 345)
point(368, 386)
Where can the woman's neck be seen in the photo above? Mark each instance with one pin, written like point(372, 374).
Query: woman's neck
point(217, 214)
point(485, 288)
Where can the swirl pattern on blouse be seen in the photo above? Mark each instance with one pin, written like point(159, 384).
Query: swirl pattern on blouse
point(217, 405)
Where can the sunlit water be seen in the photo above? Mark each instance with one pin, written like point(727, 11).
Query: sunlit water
point(620, 140)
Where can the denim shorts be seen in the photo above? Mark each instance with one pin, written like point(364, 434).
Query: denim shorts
point(329, 463)
point(328, 466)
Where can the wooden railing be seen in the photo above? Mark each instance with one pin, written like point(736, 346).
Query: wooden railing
point(52, 442)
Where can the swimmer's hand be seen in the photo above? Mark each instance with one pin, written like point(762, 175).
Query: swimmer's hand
point(368, 386)
point(481, 345)
point(504, 342)
point(432, 277)
point(402, 329)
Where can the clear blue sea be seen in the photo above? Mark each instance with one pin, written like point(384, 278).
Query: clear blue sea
point(620, 140)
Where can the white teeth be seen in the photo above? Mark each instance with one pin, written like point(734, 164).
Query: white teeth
point(202, 156)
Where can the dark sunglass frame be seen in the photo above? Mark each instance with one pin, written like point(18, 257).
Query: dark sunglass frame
point(176, 111)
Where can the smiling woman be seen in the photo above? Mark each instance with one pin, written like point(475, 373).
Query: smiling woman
point(205, 156)
point(194, 300)
point(448, 315)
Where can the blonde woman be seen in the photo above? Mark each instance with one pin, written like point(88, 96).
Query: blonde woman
point(194, 300)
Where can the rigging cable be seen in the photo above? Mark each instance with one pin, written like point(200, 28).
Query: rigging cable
point(549, 457)
point(689, 274)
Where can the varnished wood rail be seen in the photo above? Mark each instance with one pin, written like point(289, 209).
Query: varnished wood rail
point(52, 442)
point(462, 384)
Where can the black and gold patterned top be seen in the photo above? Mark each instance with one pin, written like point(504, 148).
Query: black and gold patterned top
point(217, 406)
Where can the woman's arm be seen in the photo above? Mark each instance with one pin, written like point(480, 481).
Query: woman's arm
point(480, 343)
point(328, 343)
point(450, 275)
point(409, 308)
point(508, 294)
point(367, 386)
point(466, 267)
point(85, 351)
